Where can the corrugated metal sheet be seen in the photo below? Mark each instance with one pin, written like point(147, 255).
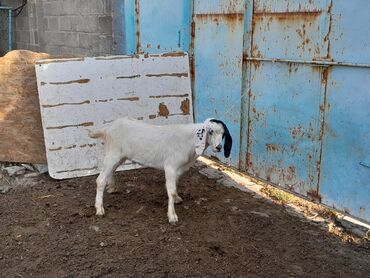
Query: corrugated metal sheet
point(218, 51)
point(290, 78)
point(92, 92)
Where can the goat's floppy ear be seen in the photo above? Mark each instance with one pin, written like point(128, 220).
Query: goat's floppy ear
point(201, 140)
point(228, 141)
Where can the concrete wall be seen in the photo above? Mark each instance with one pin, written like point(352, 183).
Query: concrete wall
point(76, 27)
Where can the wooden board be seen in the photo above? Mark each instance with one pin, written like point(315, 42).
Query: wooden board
point(20, 121)
point(85, 93)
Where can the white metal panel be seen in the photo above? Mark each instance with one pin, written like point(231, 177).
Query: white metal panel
point(83, 94)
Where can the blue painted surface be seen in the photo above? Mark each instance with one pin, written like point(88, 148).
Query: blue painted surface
point(292, 124)
point(345, 183)
point(285, 120)
point(290, 29)
point(164, 25)
point(129, 26)
point(218, 50)
point(349, 37)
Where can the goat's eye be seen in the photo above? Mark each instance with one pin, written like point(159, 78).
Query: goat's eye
point(210, 132)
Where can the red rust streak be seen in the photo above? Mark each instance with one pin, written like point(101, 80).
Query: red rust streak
point(79, 81)
point(238, 16)
point(51, 61)
point(85, 145)
point(164, 96)
point(128, 77)
point(174, 54)
point(65, 126)
point(129, 98)
point(117, 58)
point(103, 100)
point(66, 103)
point(287, 15)
point(181, 74)
point(56, 149)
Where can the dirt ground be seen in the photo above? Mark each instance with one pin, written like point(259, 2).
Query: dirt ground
point(50, 230)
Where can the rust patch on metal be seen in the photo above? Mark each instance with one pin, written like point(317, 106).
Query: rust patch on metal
point(294, 149)
point(59, 61)
point(174, 54)
point(55, 149)
point(79, 81)
point(128, 77)
point(297, 131)
point(180, 74)
point(87, 145)
point(163, 110)
point(256, 64)
point(327, 37)
point(103, 100)
point(79, 169)
point(324, 76)
point(224, 17)
point(229, 19)
point(117, 57)
point(271, 148)
point(65, 126)
point(129, 98)
point(289, 15)
point(152, 117)
point(137, 14)
point(185, 106)
point(65, 103)
point(314, 195)
point(166, 96)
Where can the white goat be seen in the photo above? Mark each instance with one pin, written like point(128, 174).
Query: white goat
point(173, 148)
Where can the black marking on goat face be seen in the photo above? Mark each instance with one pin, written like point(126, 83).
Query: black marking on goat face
point(228, 139)
point(200, 133)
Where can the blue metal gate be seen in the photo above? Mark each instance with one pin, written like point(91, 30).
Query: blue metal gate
point(291, 78)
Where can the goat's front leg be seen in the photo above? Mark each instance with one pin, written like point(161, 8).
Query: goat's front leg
point(105, 178)
point(171, 179)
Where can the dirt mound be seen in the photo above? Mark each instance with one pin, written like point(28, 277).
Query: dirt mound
point(20, 120)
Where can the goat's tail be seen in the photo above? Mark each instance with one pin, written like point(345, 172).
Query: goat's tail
point(96, 134)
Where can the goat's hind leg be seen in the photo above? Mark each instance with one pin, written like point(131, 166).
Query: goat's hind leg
point(111, 162)
point(171, 179)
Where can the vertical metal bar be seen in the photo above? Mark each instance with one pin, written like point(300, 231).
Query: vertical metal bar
point(10, 30)
point(137, 33)
point(246, 87)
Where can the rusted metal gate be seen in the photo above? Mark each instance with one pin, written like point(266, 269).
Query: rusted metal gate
point(291, 78)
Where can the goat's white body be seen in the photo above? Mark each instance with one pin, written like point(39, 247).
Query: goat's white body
point(171, 148)
point(152, 146)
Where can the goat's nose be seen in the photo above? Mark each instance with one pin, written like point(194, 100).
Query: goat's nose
point(219, 147)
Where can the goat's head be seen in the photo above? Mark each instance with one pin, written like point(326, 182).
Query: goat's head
point(211, 134)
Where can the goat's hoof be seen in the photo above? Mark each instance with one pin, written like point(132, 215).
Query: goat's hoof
point(173, 219)
point(100, 211)
point(178, 200)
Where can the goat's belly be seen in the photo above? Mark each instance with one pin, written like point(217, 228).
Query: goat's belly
point(148, 163)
